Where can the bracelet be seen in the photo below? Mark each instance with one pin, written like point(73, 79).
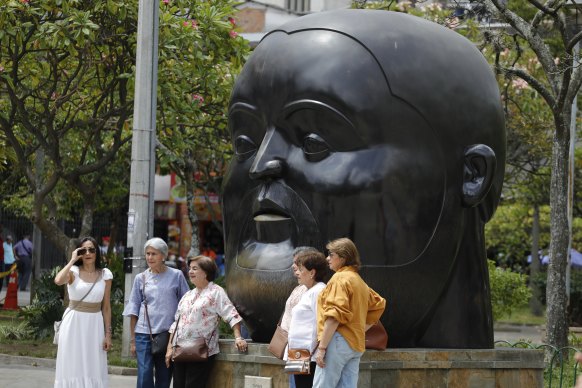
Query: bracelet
point(322, 348)
point(239, 338)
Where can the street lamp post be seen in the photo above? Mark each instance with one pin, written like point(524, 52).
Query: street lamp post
point(140, 219)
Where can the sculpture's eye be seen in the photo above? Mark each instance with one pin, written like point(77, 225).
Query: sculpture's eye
point(315, 148)
point(244, 147)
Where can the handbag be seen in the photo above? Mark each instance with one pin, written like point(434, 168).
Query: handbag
point(376, 337)
point(278, 342)
point(57, 324)
point(196, 350)
point(159, 341)
point(298, 362)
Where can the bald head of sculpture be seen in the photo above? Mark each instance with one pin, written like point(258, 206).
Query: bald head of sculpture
point(377, 126)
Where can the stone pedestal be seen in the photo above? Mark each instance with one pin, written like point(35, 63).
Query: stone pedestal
point(434, 368)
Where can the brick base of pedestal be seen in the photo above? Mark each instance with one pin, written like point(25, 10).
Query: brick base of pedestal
point(434, 368)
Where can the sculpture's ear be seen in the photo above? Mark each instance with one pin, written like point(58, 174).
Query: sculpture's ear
point(479, 169)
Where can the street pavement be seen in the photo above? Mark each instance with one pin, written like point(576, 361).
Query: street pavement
point(23, 297)
point(515, 333)
point(26, 376)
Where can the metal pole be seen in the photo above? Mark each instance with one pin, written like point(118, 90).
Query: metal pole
point(140, 218)
point(571, 173)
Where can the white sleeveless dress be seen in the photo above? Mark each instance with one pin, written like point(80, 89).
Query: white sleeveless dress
point(81, 360)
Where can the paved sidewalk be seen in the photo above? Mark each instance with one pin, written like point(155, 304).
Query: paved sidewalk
point(516, 333)
point(26, 372)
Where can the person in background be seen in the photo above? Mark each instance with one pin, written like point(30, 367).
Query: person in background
point(198, 316)
point(183, 266)
point(162, 288)
point(346, 308)
point(2, 258)
point(2, 265)
point(85, 332)
point(311, 272)
point(104, 245)
point(9, 258)
point(208, 251)
point(23, 251)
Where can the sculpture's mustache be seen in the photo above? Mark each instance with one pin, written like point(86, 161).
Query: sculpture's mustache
point(274, 220)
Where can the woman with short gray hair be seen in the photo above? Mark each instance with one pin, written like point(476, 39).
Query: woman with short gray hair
point(151, 307)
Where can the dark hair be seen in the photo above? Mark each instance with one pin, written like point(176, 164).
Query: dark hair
point(207, 265)
point(346, 249)
point(98, 263)
point(312, 259)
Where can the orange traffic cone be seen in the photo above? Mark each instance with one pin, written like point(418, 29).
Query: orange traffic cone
point(11, 300)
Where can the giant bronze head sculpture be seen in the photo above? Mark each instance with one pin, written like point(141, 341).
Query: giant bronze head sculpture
point(377, 126)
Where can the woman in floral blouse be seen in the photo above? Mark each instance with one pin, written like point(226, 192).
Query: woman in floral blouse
point(198, 316)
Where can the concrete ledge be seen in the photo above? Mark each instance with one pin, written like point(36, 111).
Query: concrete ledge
point(450, 368)
point(7, 359)
point(446, 368)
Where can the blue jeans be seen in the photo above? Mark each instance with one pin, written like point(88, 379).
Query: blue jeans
point(342, 365)
point(147, 363)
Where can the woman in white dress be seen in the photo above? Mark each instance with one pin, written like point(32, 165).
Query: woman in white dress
point(85, 333)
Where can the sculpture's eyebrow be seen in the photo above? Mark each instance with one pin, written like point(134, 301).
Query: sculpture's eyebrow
point(244, 107)
point(323, 119)
point(313, 104)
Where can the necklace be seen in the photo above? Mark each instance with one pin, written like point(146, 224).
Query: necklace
point(90, 272)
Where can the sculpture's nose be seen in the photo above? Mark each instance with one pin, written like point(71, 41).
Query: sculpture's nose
point(270, 159)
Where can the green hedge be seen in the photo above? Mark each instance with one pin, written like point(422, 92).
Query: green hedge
point(575, 307)
point(509, 290)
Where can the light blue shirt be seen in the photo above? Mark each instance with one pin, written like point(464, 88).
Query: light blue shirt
point(8, 254)
point(162, 292)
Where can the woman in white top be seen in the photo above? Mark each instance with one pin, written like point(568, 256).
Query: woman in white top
point(311, 272)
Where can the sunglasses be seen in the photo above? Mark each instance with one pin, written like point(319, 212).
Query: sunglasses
point(82, 251)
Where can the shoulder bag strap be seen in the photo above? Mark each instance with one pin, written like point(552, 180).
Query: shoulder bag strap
point(146, 307)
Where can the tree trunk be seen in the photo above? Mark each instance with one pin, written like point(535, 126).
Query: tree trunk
point(534, 303)
point(190, 193)
point(556, 310)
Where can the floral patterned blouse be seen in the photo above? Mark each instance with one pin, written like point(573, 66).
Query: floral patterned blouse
point(198, 313)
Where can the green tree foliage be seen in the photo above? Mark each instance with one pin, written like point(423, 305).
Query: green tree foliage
point(200, 55)
point(509, 290)
point(67, 84)
point(65, 77)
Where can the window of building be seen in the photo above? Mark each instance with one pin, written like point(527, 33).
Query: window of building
point(298, 5)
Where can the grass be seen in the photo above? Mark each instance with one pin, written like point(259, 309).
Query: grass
point(44, 348)
point(523, 316)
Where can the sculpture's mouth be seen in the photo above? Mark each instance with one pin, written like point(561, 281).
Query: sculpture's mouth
point(273, 228)
point(277, 222)
point(270, 218)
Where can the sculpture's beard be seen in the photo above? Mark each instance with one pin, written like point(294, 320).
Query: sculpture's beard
point(271, 221)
